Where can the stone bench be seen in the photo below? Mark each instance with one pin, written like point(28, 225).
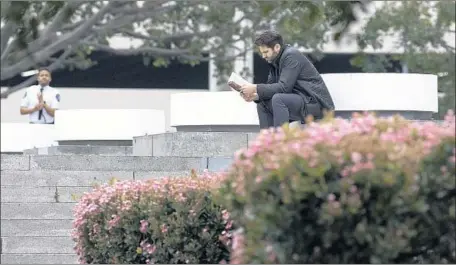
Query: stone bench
point(414, 96)
point(17, 137)
point(113, 127)
point(83, 127)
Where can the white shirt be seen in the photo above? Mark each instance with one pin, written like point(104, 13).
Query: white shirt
point(50, 95)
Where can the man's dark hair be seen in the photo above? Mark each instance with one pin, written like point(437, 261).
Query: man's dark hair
point(269, 39)
point(44, 69)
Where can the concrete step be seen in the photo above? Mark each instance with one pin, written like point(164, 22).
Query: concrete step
point(14, 162)
point(37, 245)
point(39, 259)
point(38, 178)
point(81, 150)
point(191, 144)
point(110, 163)
point(62, 178)
point(39, 227)
point(42, 194)
point(37, 211)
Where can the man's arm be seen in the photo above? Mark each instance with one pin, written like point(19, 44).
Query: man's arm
point(25, 110)
point(51, 108)
point(270, 80)
point(290, 72)
point(255, 97)
point(24, 105)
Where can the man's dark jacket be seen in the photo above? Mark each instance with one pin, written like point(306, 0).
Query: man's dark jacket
point(292, 72)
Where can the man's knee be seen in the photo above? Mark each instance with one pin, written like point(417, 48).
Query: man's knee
point(277, 99)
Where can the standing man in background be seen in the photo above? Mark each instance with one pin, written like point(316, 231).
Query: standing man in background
point(41, 101)
point(294, 88)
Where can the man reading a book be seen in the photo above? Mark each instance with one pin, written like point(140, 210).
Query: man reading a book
point(294, 89)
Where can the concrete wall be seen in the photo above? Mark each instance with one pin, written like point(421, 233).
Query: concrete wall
point(98, 98)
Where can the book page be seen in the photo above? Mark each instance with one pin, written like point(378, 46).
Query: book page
point(236, 81)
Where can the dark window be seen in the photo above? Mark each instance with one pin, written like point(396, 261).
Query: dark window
point(129, 72)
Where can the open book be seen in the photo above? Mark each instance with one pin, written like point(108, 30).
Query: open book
point(236, 81)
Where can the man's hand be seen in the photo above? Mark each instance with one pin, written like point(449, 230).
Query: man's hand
point(38, 106)
point(246, 97)
point(249, 98)
point(40, 97)
point(249, 89)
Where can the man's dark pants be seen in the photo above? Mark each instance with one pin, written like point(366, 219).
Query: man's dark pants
point(282, 108)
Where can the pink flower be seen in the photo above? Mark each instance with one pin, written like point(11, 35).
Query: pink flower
point(452, 159)
point(114, 221)
point(353, 189)
point(143, 226)
point(225, 215)
point(164, 228)
point(237, 248)
point(229, 225)
point(443, 169)
point(356, 157)
point(147, 247)
point(258, 179)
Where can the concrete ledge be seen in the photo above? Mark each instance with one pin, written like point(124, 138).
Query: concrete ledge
point(115, 143)
point(15, 178)
point(37, 245)
point(39, 259)
point(107, 124)
point(30, 228)
point(41, 194)
point(15, 162)
point(409, 115)
point(29, 211)
point(81, 150)
point(217, 164)
point(218, 128)
point(115, 163)
point(16, 137)
point(144, 175)
point(414, 96)
point(190, 144)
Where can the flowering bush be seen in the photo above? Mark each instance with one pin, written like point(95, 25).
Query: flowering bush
point(169, 220)
point(367, 190)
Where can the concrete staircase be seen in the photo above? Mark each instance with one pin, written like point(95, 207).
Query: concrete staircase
point(38, 188)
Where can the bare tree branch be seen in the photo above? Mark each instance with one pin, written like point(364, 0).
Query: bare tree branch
point(151, 50)
point(58, 20)
point(7, 32)
point(69, 38)
point(71, 26)
point(5, 5)
point(169, 38)
point(45, 36)
point(217, 58)
point(141, 14)
point(55, 65)
point(136, 10)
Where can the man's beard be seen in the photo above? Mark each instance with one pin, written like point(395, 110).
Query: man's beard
point(273, 57)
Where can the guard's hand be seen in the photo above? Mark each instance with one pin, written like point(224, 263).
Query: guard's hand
point(38, 106)
point(40, 97)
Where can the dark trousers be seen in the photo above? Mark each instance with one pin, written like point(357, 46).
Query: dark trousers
point(282, 108)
